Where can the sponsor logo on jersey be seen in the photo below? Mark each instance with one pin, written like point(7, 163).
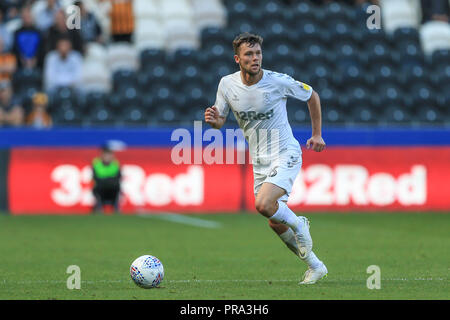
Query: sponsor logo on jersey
point(304, 86)
point(253, 115)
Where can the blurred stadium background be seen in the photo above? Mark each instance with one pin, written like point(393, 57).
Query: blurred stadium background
point(137, 69)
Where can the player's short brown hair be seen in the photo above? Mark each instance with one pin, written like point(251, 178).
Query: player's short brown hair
point(246, 37)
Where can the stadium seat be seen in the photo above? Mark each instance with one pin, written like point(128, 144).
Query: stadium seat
point(95, 53)
point(397, 115)
point(410, 55)
point(94, 99)
point(165, 114)
point(146, 9)
point(435, 35)
point(95, 77)
point(179, 26)
point(333, 115)
point(338, 30)
point(152, 58)
point(133, 115)
point(25, 78)
point(185, 55)
point(122, 55)
point(440, 59)
point(209, 13)
point(298, 116)
point(407, 34)
point(304, 10)
point(396, 14)
point(428, 115)
point(67, 116)
point(100, 116)
point(149, 34)
point(363, 115)
point(411, 76)
point(381, 73)
point(335, 11)
point(421, 94)
point(124, 79)
point(443, 98)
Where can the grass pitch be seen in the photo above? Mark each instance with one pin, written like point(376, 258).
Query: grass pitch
point(233, 256)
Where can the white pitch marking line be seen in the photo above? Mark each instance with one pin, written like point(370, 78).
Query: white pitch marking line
point(217, 280)
point(183, 219)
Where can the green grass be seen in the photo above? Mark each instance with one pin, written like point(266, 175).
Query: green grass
point(242, 259)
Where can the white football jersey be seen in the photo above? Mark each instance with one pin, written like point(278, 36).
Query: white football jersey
point(260, 111)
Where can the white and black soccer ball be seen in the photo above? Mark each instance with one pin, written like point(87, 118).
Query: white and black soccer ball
point(147, 271)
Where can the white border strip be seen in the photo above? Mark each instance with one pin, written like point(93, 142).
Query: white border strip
point(183, 219)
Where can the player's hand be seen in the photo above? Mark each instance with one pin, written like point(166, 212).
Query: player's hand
point(212, 116)
point(316, 143)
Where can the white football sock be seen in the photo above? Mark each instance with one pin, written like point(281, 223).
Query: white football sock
point(285, 216)
point(288, 238)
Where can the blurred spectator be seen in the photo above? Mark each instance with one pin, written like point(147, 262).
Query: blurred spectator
point(8, 63)
point(438, 10)
point(107, 176)
point(44, 13)
point(11, 8)
point(122, 20)
point(58, 29)
point(62, 66)
point(11, 111)
point(39, 117)
point(90, 28)
point(28, 42)
point(5, 35)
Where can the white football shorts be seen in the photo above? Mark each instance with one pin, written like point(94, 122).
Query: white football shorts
point(281, 172)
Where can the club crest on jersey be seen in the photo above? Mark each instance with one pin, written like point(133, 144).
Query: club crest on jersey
point(273, 173)
point(253, 115)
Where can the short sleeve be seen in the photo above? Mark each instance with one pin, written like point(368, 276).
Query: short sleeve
point(296, 89)
point(221, 103)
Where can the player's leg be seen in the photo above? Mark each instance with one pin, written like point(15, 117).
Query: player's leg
point(98, 207)
point(288, 237)
point(297, 239)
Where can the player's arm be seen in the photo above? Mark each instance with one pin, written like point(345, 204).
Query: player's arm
point(316, 141)
point(216, 115)
point(213, 118)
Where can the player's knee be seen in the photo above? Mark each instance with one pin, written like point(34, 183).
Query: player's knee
point(264, 207)
point(274, 225)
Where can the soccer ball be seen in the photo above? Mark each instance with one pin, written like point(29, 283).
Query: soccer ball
point(147, 271)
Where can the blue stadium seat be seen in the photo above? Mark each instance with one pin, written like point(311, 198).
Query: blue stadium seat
point(428, 115)
point(363, 115)
point(124, 79)
point(25, 78)
point(358, 95)
point(94, 99)
point(397, 115)
point(421, 94)
point(298, 113)
point(166, 114)
point(405, 34)
point(378, 52)
point(381, 73)
point(100, 116)
point(440, 59)
point(152, 57)
point(338, 31)
point(333, 115)
point(67, 116)
point(304, 10)
point(133, 115)
point(412, 75)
